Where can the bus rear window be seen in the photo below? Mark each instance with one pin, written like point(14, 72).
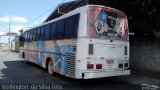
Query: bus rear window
point(106, 22)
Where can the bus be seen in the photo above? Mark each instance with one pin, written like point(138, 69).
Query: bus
point(89, 42)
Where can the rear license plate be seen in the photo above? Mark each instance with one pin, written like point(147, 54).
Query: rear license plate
point(110, 61)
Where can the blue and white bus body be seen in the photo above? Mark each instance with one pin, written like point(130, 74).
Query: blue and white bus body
point(99, 49)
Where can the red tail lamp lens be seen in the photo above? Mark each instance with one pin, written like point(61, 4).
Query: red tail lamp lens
point(90, 66)
point(98, 66)
point(121, 65)
point(126, 65)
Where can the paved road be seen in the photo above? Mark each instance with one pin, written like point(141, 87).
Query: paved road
point(15, 74)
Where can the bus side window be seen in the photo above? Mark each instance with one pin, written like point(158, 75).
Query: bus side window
point(53, 31)
point(38, 34)
point(31, 35)
point(34, 36)
point(60, 29)
point(26, 36)
point(47, 31)
point(76, 25)
point(69, 27)
point(28, 33)
point(42, 35)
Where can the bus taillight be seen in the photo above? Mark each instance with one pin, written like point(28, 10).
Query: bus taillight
point(90, 66)
point(120, 65)
point(98, 66)
point(126, 65)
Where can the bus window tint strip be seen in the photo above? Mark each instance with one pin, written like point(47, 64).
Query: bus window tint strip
point(52, 31)
point(61, 29)
point(42, 33)
point(47, 31)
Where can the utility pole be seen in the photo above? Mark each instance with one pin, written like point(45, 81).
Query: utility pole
point(0, 42)
point(0, 38)
point(9, 33)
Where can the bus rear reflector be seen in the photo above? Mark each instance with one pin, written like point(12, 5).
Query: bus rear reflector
point(90, 66)
point(126, 65)
point(90, 51)
point(98, 66)
point(125, 50)
point(120, 65)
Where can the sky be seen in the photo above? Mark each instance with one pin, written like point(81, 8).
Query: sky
point(24, 13)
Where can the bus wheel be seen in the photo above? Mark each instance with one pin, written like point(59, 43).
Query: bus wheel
point(27, 62)
point(50, 67)
point(23, 55)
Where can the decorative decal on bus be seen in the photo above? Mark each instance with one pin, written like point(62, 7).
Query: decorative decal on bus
point(55, 49)
point(59, 49)
point(107, 23)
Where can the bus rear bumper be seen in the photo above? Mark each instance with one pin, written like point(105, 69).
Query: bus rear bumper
point(90, 75)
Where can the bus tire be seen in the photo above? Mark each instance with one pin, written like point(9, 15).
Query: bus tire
point(50, 67)
point(23, 55)
point(27, 62)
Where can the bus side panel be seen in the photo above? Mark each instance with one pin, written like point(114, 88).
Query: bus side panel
point(33, 53)
point(63, 56)
point(61, 52)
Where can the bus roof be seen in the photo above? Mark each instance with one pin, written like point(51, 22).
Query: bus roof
point(75, 11)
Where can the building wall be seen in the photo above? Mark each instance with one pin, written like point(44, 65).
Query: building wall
point(145, 54)
point(4, 46)
point(15, 46)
